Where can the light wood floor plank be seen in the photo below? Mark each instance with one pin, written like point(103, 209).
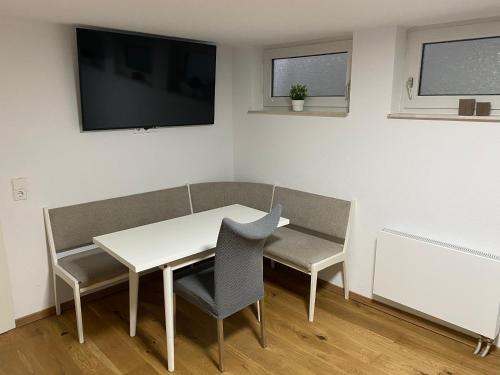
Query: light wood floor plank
point(347, 337)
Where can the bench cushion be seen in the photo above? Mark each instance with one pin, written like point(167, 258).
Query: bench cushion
point(92, 266)
point(298, 248)
point(210, 195)
point(318, 213)
point(74, 226)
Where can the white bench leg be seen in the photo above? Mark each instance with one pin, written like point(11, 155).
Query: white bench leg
point(175, 314)
point(312, 294)
point(133, 281)
point(78, 309)
point(56, 299)
point(346, 279)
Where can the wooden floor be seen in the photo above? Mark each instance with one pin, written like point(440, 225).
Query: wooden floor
point(346, 338)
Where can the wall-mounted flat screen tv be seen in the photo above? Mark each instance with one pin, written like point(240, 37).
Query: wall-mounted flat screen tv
point(130, 80)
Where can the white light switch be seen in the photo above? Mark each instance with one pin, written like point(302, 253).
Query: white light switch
point(19, 189)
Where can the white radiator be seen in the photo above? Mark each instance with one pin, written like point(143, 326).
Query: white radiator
point(454, 284)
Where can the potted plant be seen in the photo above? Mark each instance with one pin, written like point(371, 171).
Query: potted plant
point(298, 93)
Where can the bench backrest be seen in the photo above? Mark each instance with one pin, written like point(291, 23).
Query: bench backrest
point(317, 213)
point(74, 226)
point(209, 195)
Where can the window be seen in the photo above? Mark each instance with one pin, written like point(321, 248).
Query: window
point(461, 67)
point(324, 75)
point(323, 68)
point(449, 63)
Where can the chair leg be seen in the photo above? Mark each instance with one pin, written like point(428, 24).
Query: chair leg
point(312, 294)
point(56, 299)
point(263, 338)
point(78, 309)
point(273, 264)
point(258, 310)
point(220, 338)
point(346, 279)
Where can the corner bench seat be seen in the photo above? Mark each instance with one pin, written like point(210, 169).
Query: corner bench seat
point(92, 266)
point(209, 195)
point(72, 227)
point(299, 249)
point(315, 239)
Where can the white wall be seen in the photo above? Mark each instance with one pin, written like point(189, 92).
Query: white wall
point(439, 179)
point(40, 139)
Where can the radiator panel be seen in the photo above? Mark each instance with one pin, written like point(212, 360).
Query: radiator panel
point(457, 285)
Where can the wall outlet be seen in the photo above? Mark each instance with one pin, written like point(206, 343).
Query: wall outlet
point(20, 189)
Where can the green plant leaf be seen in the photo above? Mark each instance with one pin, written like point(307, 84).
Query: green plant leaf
point(298, 92)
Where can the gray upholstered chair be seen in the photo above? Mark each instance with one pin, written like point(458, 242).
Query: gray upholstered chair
point(235, 279)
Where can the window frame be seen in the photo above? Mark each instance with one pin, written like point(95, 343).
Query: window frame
point(340, 103)
point(443, 104)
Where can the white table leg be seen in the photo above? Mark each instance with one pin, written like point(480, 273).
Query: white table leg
point(168, 290)
point(133, 281)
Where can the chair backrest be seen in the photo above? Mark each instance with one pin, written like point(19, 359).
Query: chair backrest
point(209, 195)
point(238, 262)
point(74, 226)
point(314, 212)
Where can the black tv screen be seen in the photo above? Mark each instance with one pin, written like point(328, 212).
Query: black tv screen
point(132, 80)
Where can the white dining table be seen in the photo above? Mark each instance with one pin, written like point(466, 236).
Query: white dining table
point(169, 245)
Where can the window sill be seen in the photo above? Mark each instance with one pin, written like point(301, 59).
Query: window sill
point(437, 117)
point(284, 112)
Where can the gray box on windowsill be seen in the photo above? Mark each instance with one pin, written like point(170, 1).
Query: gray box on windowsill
point(483, 109)
point(466, 107)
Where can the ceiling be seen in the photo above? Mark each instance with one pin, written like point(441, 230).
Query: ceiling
point(257, 22)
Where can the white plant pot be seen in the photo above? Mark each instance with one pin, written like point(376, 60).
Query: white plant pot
point(298, 105)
